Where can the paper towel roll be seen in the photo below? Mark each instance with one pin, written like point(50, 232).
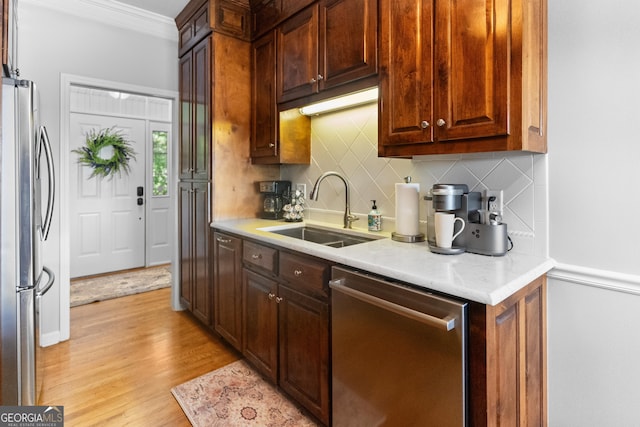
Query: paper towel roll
point(407, 208)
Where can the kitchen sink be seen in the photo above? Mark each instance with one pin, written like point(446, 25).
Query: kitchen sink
point(323, 236)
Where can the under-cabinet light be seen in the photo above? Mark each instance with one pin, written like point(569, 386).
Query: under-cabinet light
point(351, 100)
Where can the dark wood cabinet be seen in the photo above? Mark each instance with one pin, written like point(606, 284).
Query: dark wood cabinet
point(507, 360)
point(285, 308)
point(227, 287)
point(193, 211)
point(276, 138)
point(462, 77)
point(261, 323)
point(304, 350)
point(328, 44)
point(264, 119)
point(195, 112)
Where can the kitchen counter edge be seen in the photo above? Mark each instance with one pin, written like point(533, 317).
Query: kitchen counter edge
point(483, 279)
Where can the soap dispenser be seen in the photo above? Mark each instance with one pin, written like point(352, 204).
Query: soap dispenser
point(375, 218)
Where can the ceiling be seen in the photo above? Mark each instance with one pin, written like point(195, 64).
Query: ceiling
point(168, 8)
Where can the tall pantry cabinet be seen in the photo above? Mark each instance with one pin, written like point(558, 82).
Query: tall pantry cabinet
point(217, 180)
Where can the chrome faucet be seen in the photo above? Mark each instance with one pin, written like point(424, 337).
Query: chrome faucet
point(348, 218)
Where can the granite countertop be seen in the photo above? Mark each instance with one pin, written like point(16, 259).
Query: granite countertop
point(479, 278)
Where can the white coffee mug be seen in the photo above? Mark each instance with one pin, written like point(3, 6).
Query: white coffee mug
point(444, 226)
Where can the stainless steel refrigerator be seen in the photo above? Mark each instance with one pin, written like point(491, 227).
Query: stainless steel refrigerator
point(26, 187)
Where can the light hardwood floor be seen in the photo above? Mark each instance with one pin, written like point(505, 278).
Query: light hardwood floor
point(123, 358)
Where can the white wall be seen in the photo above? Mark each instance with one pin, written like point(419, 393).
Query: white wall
point(52, 42)
point(594, 175)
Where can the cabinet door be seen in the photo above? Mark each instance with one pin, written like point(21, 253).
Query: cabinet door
point(201, 109)
point(201, 291)
point(260, 315)
point(186, 116)
point(228, 288)
point(298, 55)
point(304, 350)
point(263, 92)
point(185, 218)
point(472, 59)
point(195, 112)
point(406, 51)
point(348, 41)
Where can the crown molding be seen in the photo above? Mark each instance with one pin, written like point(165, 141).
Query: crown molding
point(111, 12)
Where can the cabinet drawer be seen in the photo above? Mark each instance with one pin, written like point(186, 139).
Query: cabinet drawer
point(260, 256)
point(305, 272)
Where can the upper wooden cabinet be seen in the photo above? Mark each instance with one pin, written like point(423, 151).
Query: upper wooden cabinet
point(458, 77)
point(326, 45)
point(195, 111)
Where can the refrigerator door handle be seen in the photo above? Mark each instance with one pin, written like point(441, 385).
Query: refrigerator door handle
point(52, 277)
point(46, 144)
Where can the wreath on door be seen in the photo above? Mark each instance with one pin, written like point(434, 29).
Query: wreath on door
point(107, 152)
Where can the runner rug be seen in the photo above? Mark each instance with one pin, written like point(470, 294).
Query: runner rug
point(235, 395)
point(108, 286)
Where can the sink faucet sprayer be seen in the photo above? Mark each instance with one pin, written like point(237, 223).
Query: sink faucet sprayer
point(348, 218)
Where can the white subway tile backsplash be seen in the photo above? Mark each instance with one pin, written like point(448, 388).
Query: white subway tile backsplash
point(347, 143)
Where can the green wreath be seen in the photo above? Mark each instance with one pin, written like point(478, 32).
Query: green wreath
point(101, 142)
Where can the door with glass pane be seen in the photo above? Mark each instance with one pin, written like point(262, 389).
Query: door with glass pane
point(159, 196)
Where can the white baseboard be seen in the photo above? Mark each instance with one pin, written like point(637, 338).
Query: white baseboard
point(50, 338)
point(604, 279)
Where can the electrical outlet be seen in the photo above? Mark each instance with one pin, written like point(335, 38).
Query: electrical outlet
point(494, 200)
point(303, 189)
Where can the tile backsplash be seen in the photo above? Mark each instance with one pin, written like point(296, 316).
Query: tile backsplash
point(346, 142)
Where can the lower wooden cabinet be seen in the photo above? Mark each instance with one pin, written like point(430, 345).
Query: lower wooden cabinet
point(285, 324)
point(227, 288)
point(507, 360)
point(195, 283)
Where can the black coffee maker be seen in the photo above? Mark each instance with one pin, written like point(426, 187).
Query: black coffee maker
point(275, 195)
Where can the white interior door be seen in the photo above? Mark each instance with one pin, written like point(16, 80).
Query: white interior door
point(107, 224)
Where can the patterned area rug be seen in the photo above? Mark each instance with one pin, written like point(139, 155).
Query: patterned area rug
point(85, 291)
point(235, 395)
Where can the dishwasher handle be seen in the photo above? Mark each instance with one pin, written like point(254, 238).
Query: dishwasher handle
point(447, 323)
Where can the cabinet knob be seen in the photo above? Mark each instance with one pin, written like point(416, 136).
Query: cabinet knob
point(297, 273)
point(424, 124)
point(191, 169)
point(312, 81)
point(271, 145)
point(256, 256)
point(441, 122)
point(271, 295)
point(320, 77)
point(279, 300)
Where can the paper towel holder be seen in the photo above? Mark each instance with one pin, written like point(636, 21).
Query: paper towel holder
point(404, 237)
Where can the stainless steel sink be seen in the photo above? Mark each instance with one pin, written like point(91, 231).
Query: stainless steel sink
point(322, 236)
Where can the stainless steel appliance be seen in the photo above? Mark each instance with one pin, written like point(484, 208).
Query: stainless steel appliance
point(275, 194)
point(484, 233)
point(27, 163)
point(399, 354)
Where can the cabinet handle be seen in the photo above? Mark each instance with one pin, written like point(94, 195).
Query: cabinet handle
point(297, 273)
point(424, 124)
point(256, 256)
point(222, 240)
point(271, 295)
point(320, 77)
point(279, 300)
point(441, 122)
point(312, 81)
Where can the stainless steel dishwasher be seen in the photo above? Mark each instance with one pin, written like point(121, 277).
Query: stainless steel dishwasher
point(398, 354)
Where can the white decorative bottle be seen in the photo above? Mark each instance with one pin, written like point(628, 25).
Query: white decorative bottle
point(375, 218)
